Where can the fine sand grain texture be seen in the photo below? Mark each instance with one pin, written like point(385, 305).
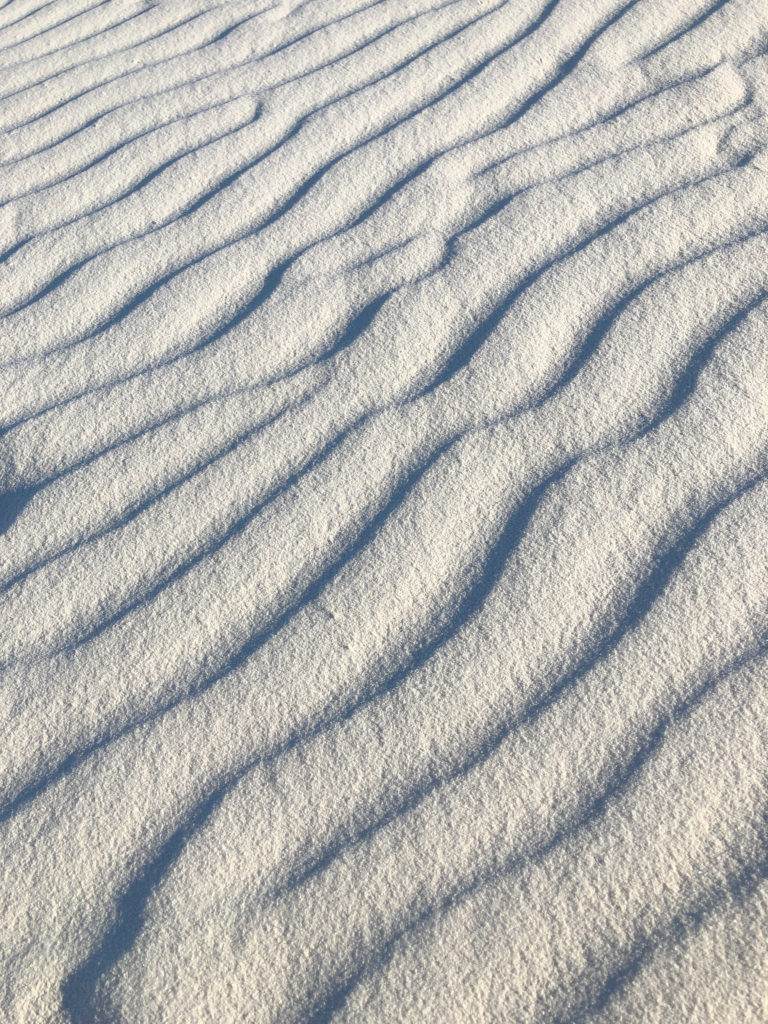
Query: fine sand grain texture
point(383, 511)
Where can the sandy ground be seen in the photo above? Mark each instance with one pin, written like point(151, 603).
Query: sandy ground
point(384, 516)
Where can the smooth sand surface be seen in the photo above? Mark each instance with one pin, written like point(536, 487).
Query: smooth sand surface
point(384, 511)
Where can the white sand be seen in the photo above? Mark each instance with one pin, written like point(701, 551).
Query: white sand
point(384, 516)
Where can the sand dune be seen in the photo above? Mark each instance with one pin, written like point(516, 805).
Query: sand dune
point(384, 515)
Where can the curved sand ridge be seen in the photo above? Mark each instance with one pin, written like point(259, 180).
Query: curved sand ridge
point(384, 515)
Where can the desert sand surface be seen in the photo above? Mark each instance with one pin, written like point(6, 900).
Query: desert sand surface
point(384, 516)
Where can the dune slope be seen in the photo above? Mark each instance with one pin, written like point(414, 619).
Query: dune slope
point(384, 511)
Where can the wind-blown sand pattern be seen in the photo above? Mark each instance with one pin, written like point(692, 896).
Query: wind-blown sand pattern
point(384, 552)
